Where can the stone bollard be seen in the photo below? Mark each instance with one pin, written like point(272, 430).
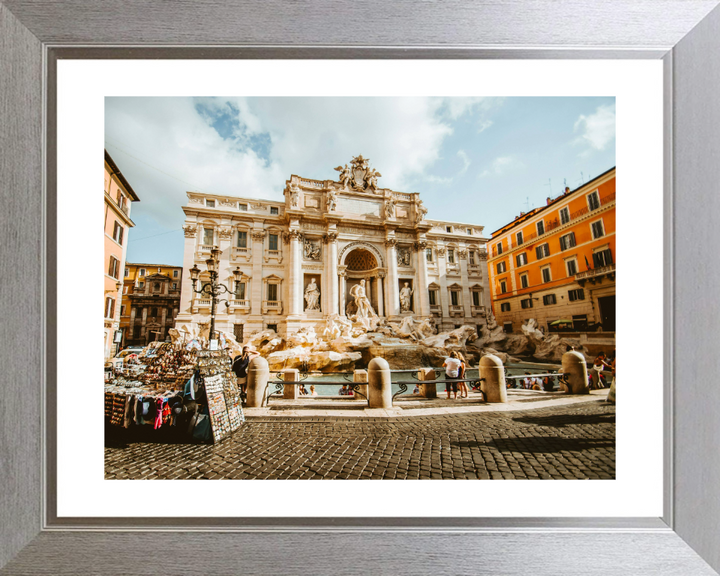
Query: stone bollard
point(291, 391)
point(361, 376)
point(575, 367)
point(379, 383)
point(258, 375)
point(493, 379)
point(611, 394)
point(427, 390)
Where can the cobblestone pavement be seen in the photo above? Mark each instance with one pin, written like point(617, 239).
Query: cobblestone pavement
point(571, 442)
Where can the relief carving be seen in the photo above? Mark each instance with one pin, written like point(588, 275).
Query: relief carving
point(190, 230)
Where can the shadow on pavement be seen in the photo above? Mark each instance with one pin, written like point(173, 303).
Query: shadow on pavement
point(540, 444)
point(560, 421)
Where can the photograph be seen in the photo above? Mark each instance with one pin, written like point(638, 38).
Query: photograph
point(350, 288)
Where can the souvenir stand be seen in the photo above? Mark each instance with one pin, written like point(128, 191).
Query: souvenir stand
point(175, 386)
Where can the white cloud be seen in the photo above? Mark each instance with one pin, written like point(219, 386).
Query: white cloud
point(598, 129)
point(466, 162)
point(502, 165)
point(484, 125)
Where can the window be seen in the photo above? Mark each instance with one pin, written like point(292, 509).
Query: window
point(521, 259)
point(469, 231)
point(527, 303)
point(593, 201)
point(142, 272)
point(507, 327)
point(598, 230)
point(540, 227)
point(499, 247)
point(546, 276)
point(272, 327)
point(503, 287)
point(505, 307)
point(451, 256)
point(210, 203)
point(454, 299)
point(122, 310)
point(471, 258)
point(272, 242)
point(174, 285)
point(564, 215)
point(274, 210)
point(153, 313)
point(428, 254)
point(240, 290)
point(519, 237)
point(243, 207)
point(578, 294)
point(136, 331)
point(242, 239)
point(118, 233)
point(208, 236)
point(549, 299)
point(542, 251)
point(113, 267)
point(141, 284)
point(175, 273)
point(127, 272)
point(500, 267)
point(567, 241)
point(156, 287)
point(448, 229)
point(272, 292)
point(524, 281)
point(602, 258)
point(476, 298)
point(109, 307)
point(433, 297)
point(571, 267)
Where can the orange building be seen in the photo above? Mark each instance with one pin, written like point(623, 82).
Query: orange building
point(118, 196)
point(556, 263)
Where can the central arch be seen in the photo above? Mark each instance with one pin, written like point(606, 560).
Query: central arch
point(361, 262)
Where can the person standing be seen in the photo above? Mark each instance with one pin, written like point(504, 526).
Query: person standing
point(452, 371)
point(239, 367)
point(462, 386)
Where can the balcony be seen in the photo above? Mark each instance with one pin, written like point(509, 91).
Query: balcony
point(456, 310)
point(596, 274)
point(240, 254)
point(477, 310)
point(436, 309)
point(272, 307)
point(239, 305)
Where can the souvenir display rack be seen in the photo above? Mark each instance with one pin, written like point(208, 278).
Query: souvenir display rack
point(223, 396)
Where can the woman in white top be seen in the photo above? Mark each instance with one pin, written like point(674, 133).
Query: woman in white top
point(452, 372)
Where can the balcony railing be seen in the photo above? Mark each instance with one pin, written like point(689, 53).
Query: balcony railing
point(274, 306)
point(240, 303)
point(477, 310)
point(595, 273)
point(555, 223)
point(457, 310)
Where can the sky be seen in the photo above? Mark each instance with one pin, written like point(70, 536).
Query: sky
point(474, 160)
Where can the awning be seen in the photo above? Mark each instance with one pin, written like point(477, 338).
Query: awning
point(563, 321)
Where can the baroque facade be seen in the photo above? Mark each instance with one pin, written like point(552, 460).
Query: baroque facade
point(150, 302)
point(118, 198)
point(304, 259)
point(556, 264)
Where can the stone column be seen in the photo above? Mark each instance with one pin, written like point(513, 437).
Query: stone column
point(256, 295)
point(393, 301)
point(332, 282)
point(380, 384)
point(342, 280)
point(575, 367)
point(361, 376)
point(492, 374)
point(295, 280)
point(258, 376)
point(421, 281)
point(186, 294)
point(466, 296)
point(444, 296)
point(379, 295)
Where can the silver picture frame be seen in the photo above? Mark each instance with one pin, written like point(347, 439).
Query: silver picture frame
point(34, 36)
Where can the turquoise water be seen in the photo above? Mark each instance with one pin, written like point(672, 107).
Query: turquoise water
point(333, 389)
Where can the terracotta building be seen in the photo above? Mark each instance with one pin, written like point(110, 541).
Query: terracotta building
point(556, 263)
point(118, 197)
point(295, 263)
point(150, 302)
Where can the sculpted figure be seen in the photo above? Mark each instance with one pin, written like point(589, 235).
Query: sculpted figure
point(364, 308)
point(311, 250)
point(312, 296)
point(405, 294)
point(331, 201)
point(390, 207)
point(421, 211)
point(345, 175)
point(371, 179)
point(294, 196)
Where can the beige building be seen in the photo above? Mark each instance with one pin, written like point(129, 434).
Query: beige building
point(301, 260)
point(118, 197)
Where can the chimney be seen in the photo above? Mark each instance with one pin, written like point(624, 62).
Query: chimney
point(548, 200)
point(567, 189)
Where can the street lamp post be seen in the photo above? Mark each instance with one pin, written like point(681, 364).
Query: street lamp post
point(213, 288)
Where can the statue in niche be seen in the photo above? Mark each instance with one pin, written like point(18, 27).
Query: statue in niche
point(312, 297)
point(311, 250)
point(364, 308)
point(294, 196)
point(331, 201)
point(390, 207)
point(345, 175)
point(403, 256)
point(405, 295)
point(421, 211)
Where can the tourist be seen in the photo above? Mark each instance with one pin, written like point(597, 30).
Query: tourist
point(548, 384)
point(303, 391)
point(344, 390)
point(528, 381)
point(462, 386)
point(240, 364)
point(596, 371)
point(452, 371)
point(416, 390)
point(312, 390)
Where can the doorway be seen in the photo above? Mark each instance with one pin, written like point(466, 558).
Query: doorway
point(607, 313)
